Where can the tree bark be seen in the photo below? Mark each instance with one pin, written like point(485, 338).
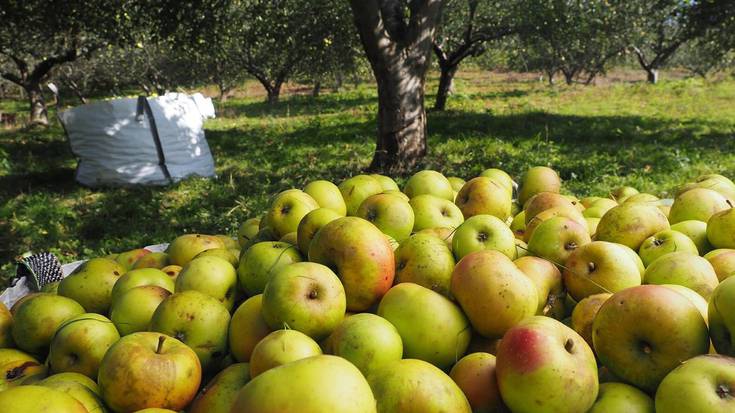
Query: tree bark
point(316, 90)
point(274, 93)
point(39, 114)
point(652, 75)
point(399, 52)
point(446, 81)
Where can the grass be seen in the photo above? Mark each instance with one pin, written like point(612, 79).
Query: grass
point(598, 138)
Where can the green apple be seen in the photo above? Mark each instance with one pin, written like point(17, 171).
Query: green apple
point(701, 384)
point(360, 255)
point(697, 232)
point(547, 279)
point(475, 375)
point(698, 203)
point(357, 189)
point(433, 212)
point(538, 179)
point(723, 261)
point(483, 232)
point(38, 318)
point(438, 336)
point(622, 193)
point(172, 271)
point(212, 276)
point(80, 343)
point(310, 224)
point(693, 297)
point(19, 368)
point(722, 317)
point(642, 197)
point(91, 284)
point(134, 309)
point(630, 224)
point(152, 260)
point(89, 399)
point(721, 229)
point(411, 385)
point(304, 296)
point(6, 326)
point(556, 238)
point(220, 393)
point(621, 397)
point(258, 263)
point(386, 182)
point(76, 378)
point(521, 248)
point(543, 216)
point(518, 224)
point(34, 399)
point(397, 193)
point(247, 231)
point(368, 341)
point(197, 320)
point(493, 292)
point(281, 347)
point(545, 366)
point(327, 195)
point(724, 188)
point(592, 224)
point(287, 209)
point(683, 268)
point(149, 369)
point(443, 233)
point(391, 214)
point(500, 177)
point(425, 260)
point(456, 182)
point(313, 385)
point(142, 276)
point(543, 201)
point(185, 247)
point(641, 333)
point(223, 253)
point(247, 328)
point(429, 182)
point(128, 259)
point(290, 238)
point(484, 196)
point(665, 242)
point(599, 207)
point(584, 314)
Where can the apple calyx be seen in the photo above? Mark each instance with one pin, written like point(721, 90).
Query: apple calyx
point(482, 236)
point(723, 391)
point(569, 346)
point(591, 267)
point(646, 348)
point(657, 242)
point(313, 294)
point(571, 245)
point(161, 339)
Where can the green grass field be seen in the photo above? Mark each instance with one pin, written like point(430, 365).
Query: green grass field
point(600, 137)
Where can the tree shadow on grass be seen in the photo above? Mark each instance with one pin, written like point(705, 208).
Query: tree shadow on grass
point(296, 105)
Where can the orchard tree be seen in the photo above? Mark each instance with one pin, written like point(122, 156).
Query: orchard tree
point(465, 29)
point(397, 36)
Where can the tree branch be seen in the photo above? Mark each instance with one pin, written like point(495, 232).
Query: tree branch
point(371, 29)
point(47, 64)
point(394, 19)
point(424, 14)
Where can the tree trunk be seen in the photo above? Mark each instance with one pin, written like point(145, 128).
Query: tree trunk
point(39, 114)
point(550, 74)
point(317, 88)
point(568, 77)
point(652, 76)
point(274, 94)
point(338, 80)
point(446, 83)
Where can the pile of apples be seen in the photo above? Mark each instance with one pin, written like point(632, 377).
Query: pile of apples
point(448, 296)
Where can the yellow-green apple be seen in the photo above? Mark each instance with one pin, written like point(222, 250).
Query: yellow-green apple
point(429, 182)
point(547, 279)
point(76, 378)
point(485, 196)
point(141, 276)
point(258, 263)
point(621, 397)
point(91, 284)
point(212, 276)
point(717, 177)
point(219, 395)
point(128, 258)
point(149, 369)
point(599, 207)
point(683, 268)
point(52, 288)
point(89, 399)
point(584, 314)
point(543, 216)
point(630, 224)
point(281, 347)
point(556, 238)
point(247, 328)
point(665, 242)
point(493, 292)
point(313, 385)
point(310, 224)
point(642, 197)
point(17, 368)
point(438, 336)
point(697, 203)
point(304, 296)
point(518, 224)
point(589, 200)
point(172, 271)
point(152, 260)
point(80, 343)
point(592, 224)
point(360, 255)
point(133, 310)
point(444, 233)
point(415, 386)
point(538, 179)
point(721, 229)
point(391, 214)
point(622, 193)
point(723, 261)
point(701, 384)
point(37, 319)
point(425, 260)
point(456, 182)
point(521, 248)
point(247, 231)
point(475, 375)
point(545, 366)
point(357, 189)
point(229, 241)
point(327, 195)
point(155, 410)
point(290, 238)
point(368, 341)
point(641, 333)
point(483, 232)
point(697, 232)
point(287, 209)
point(722, 317)
point(386, 182)
point(433, 212)
point(543, 201)
point(34, 399)
point(693, 297)
point(500, 177)
point(6, 326)
point(223, 253)
point(185, 247)
point(398, 193)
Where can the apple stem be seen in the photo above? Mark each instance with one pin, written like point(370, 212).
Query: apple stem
point(161, 339)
